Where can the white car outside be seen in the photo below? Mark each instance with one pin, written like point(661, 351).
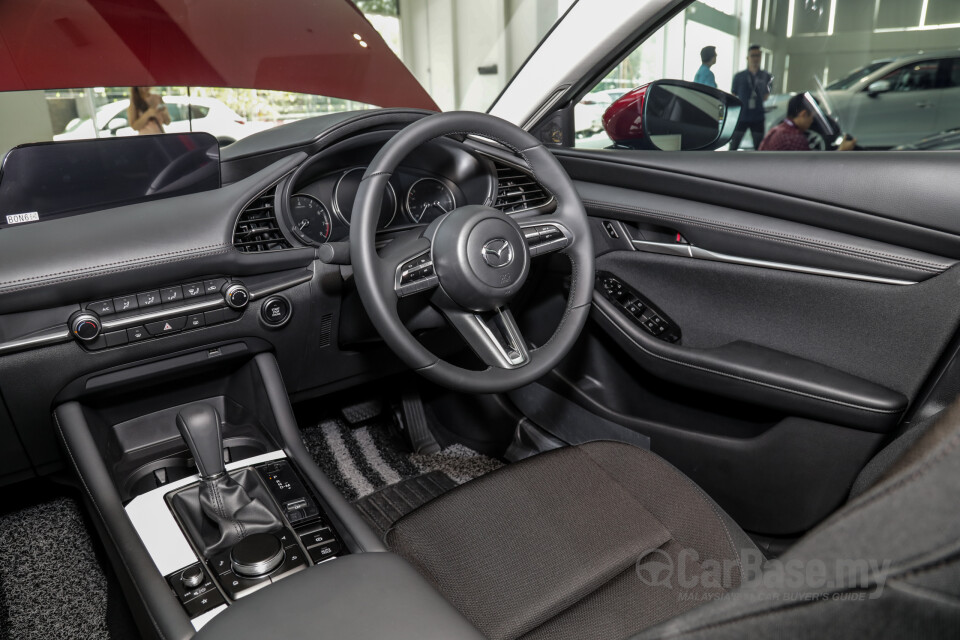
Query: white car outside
point(187, 114)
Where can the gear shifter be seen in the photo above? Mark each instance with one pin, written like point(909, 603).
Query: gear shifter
point(225, 508)
point(199, 425)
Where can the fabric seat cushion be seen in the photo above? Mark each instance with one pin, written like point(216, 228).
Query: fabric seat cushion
point(553, 546)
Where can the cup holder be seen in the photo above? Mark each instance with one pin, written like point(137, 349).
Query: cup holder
point(159, 473)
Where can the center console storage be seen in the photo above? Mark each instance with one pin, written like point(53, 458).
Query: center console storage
point(201, 486)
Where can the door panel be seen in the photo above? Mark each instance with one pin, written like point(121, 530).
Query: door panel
point(788, 376)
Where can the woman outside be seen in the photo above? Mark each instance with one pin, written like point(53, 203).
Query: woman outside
point(147, 113)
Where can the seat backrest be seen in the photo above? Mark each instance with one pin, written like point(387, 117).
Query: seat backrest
point(887, 564)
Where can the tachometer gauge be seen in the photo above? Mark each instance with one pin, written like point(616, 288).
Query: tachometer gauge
point(311, 220)
point(429, 198)
point(345, 192)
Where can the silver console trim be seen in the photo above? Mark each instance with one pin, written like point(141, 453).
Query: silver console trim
point(48, 336)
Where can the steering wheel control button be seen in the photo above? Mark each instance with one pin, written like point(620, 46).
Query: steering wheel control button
point(638, 309)
point(193, 290)
point(102, 308)
point(135, 334)
point(85, 327)
point(256, 555)
point(213, 286)
point(236, 296)
point(545, 238)
point(168, 325)
point(275, 311)
point(148, 298)
point(416, 275)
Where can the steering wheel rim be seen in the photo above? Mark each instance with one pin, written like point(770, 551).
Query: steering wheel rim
point(461, 281)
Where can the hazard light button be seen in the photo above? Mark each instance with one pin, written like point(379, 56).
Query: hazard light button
point(167, 325)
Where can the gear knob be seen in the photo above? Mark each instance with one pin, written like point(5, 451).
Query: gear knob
point(199, 425)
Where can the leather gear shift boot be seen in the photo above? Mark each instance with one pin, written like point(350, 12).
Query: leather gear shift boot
point(220, 512)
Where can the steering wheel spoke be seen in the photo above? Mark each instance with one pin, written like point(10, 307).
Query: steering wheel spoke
point(494, 336)
point(545, 234)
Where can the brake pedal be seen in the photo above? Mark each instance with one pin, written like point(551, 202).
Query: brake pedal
point(414, 421)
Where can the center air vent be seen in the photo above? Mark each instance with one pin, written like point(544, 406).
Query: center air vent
point(517, 190)
point(257, 227)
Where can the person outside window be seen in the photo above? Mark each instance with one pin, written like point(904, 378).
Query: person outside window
point(147, 113)
point(708, 56)
point(790, 135)
point(752, 87)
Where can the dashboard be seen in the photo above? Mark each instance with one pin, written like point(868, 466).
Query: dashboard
point(99, 303)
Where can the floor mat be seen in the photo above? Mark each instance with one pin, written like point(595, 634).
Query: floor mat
point(385, 507)
point(362, 460)
point(52, 585)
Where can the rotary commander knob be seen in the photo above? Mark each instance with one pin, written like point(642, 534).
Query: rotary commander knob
point(85, 326)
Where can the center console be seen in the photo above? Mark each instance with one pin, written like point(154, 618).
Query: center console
point(202, 489)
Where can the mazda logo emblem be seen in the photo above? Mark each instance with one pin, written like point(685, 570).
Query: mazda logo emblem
point(497, 253)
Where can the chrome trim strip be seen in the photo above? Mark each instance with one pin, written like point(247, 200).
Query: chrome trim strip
point(49, 336)
point(280, 286)
point(690, 251)
point(512, 333)
point(159, 314)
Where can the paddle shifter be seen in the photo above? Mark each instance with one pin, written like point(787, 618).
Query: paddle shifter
point(225, 509)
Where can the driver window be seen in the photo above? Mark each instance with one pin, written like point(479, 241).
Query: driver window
point(914, 77)
point(767, 51)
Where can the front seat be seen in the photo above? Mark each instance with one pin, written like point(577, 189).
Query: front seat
point(605, 540)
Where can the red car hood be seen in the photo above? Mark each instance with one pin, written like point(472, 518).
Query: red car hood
point(307, 46)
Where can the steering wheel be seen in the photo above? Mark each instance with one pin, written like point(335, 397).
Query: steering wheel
point(472, 260)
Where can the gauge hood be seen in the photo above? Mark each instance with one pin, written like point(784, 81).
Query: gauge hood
point(323, 47)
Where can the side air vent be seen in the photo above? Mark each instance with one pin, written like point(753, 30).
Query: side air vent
point(257, 227)
point(517, 190)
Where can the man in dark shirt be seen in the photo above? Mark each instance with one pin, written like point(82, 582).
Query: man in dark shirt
point(790, 135)
point(752, 86)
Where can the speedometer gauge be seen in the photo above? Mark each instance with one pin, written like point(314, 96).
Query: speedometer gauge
point(311, 220)
point(429, 198)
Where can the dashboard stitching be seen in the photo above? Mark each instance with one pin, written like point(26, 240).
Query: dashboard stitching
point(845, 250)
point(40, 281)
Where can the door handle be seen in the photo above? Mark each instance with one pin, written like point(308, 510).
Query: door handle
point(924, 105)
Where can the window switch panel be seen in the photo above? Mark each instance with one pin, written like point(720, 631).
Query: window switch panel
point(637, 308)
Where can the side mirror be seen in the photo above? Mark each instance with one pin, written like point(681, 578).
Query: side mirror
point(672, 115)
point(878, 87)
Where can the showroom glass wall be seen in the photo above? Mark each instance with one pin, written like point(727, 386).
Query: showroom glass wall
point(807, 45)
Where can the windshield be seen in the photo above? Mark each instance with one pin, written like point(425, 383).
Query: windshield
point(849, 81)
point(207, 67)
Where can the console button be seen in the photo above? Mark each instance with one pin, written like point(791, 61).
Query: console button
point(115, 338)
point(171, 294)
point(204, 603)
point(213, 286)
point(295, 561)
point(125, 303)
point(194, 321)
point(324, 552)
point(213, 317)
point(237, 587)
point(168, 325)
point(148, 298)
point(275, 311)
point(220, 563)
point(193, 289)
point(102, 308)
point(318, 537)
point(136, 333)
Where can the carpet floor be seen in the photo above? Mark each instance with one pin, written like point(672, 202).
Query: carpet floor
point(367, 459)
point(52, 583)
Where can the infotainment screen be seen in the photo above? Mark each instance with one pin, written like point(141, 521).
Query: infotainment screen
point(50, 180)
